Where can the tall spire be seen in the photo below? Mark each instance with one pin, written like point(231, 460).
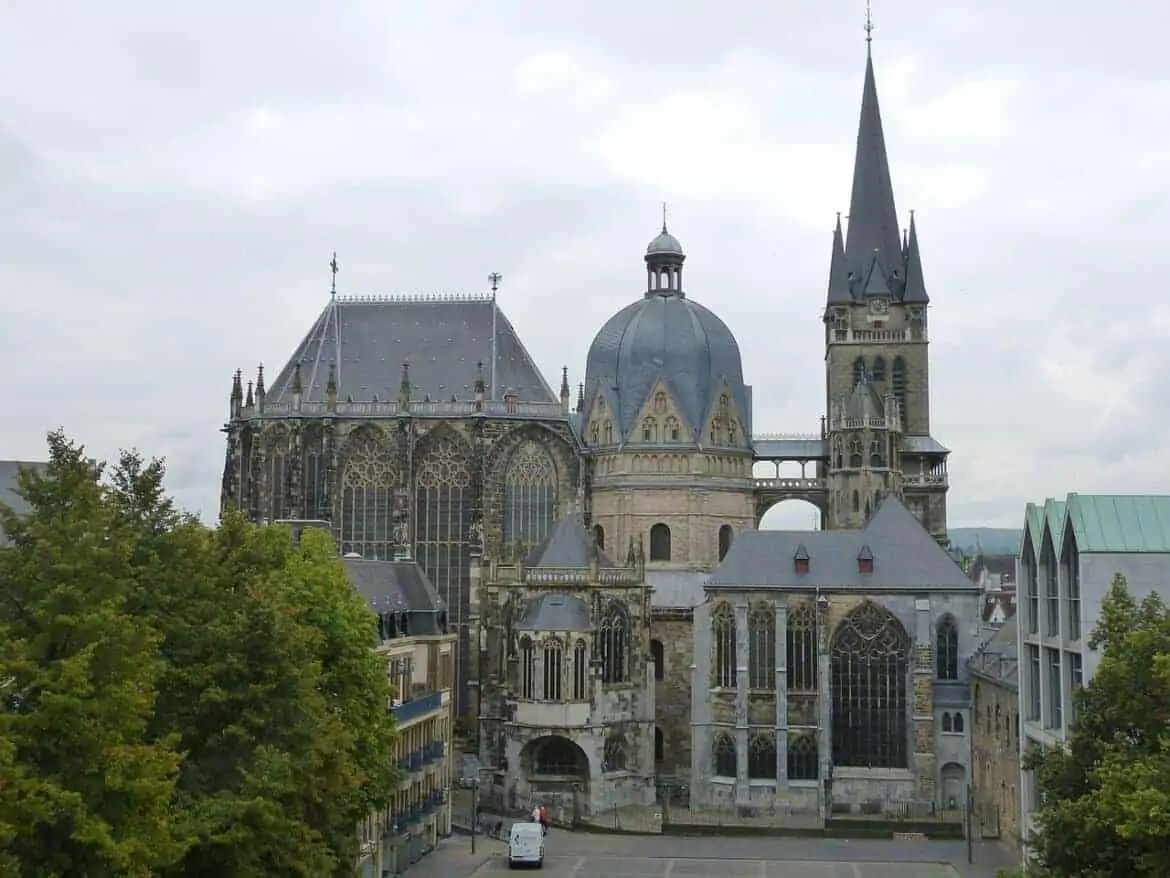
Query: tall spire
point(915, 284)
point(873, 221)
point(838, 272)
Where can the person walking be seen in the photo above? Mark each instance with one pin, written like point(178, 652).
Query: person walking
point(544, 818)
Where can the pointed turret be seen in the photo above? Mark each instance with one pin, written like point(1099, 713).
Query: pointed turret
point(260, 391)
point(404, 387)
point(915, 284)
point(873, 221)
point(839, 293)
point(565, 389)
point(249, 400)
point(236, 399)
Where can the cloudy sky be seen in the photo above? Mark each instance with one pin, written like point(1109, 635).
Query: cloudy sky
point(175, 176)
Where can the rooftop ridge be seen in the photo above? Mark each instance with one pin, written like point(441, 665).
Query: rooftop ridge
point(414, 298)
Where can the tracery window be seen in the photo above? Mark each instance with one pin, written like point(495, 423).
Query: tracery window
point(726, 535)
point(609, 433)
point(444, 514)
point(316, 479)
point(615, 753)
point(898, 383)
point(723, 755)
point(558, 756)
point(527, 668)
point(858, 371)
point(732, 433)
point(615, 644)
point(723, 674)
point(554, 668)
point(660, 542)
point(530, 496)
point(855, 456)
point(879, 369)
point(649, 430)
point(279, 470)
point(870, 666)
point(947, 649)
point(803, 763)
point(762, 647)
point(580, 670)
point(672, 429)
point(660, 402)
point(838, 454)
point(802, 649)
point(368, 480)
point(762, 756)
point(877, 457)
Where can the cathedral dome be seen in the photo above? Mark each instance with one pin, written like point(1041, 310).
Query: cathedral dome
point(665, 337)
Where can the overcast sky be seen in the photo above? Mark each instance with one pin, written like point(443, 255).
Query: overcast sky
point(175, 176)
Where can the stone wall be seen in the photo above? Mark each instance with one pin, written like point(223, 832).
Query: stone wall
point(673, 695)
point(996, 753)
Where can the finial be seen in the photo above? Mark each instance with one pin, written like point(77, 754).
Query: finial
point(495, 277)
point(334, 268)
point(868, 28)
point(664, 217)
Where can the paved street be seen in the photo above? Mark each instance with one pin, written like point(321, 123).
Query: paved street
point(580, 855)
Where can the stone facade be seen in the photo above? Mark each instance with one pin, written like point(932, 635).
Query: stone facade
point(996, 774)
point(672, 694)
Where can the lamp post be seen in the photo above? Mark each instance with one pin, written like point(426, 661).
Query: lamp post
point(472, 783)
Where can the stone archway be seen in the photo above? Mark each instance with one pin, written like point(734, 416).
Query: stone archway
point(953, 786)
point(555, 773)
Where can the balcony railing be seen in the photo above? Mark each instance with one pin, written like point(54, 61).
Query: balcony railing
point(789, 484)
point(417, 708)
point(394, 409)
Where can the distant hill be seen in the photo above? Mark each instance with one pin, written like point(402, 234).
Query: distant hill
point(989, 540)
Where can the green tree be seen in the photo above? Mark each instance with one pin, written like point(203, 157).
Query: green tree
point(1105, 798)
point(85, 789)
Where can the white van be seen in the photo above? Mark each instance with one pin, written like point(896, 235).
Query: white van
point(526, 845)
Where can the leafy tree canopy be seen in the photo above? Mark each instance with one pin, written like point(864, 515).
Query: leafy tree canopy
point(179, 700)
point(1105, 799)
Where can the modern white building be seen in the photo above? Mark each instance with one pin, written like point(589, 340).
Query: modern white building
point(1070, 552)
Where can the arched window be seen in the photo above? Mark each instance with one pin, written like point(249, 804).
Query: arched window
point(958, 723)
point(369, 478)
point(580, 670)
point(726, 535)
point(723, 648)
point(595, 433)
point(659, 746)
point(879, 369)
point(947, 649)
point(660, 542)
point(530, 496)
point(558, 756)
point(802, 649)
point(732, 432)
point(898, 384)
point(723, 754)
point(649, 430)
point(608, 429)
point(316, 476)
point(762, 756)
point(946, 722)
point(858, 370)
point(802, 758)
point(672, 429)
point(838, 454)
point(660, 403)
point(877, 457)
point(615, 753)
point(656, 654)
point(527, 668)
point(614, 632)
point(554, 669)
point(762, 648)
point(599, 536)
point(871, 666)
point(855, 456)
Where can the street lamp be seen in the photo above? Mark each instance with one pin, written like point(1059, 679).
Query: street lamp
point(472, 783)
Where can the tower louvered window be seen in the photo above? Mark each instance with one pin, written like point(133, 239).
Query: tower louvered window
point(898, 384)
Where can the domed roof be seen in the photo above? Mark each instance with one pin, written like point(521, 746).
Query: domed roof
point(664, 243)
point(665, 337)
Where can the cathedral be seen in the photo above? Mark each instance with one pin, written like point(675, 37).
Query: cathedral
point(622, 624)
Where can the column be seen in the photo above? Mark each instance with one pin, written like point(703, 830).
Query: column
point(780, 606)
point(742, 788)
point(824, 688)
point(922, 706)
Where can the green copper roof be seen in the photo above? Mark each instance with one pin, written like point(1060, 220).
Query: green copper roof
point(1120, 522)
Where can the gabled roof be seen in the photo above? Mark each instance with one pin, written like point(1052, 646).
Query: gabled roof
point(443, 338)
point(1119, 523)
point(569, 545)
point(397, 587)
point(905, 556)
point(9, 482)
point(998, 659)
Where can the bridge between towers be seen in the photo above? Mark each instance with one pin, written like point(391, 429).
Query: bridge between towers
point(811, 452)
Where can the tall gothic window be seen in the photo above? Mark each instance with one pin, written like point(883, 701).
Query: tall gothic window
point(660, 542)
point(599, 536)
point(879, 369)
point(316, 478)
point(444, 510)
point(672, 428)
point(726, 535)
point(723, 755)
point(870, 665)
point(615, 645)
point(657, 655)
point(278, 474)
point(615, 753)
point(527, 668)
point(858, 370)
point(802, 649)
point(855, 456)
point(530, 496)
point(580, 671)
point(898, 384)
point(368, 480)
point(762, 647)
point(660, 402)
point(554, 668)
point(947, 649)
point(838, 454)
point(723, 647)
point(877, 457)
point(762, 756)
point(803, 763)
point(649, 430)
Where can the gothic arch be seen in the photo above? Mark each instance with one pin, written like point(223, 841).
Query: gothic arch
point(615, 641)
point(946, 653)
point(530, 495)
point(279, 460)
point(367, 483)
point(870, 666)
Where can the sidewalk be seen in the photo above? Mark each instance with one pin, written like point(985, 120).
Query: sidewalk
point(453, 858)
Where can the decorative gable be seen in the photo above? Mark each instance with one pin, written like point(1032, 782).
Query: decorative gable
point(599, 429)
point(725, 423)
point(660, 421)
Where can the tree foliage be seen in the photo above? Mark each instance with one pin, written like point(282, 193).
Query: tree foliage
point(237, 662)
point(1105, 798)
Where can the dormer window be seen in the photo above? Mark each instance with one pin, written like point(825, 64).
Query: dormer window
point(865, 560)
point(800, 560)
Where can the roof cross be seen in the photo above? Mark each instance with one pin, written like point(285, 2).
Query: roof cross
point(334, 268)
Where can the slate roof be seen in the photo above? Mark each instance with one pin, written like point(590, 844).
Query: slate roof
point(790, 449)
point(398, 587)
point(998, 660)
point(9, 473)
point(442, 338)
point(923, 445)
point(568, 545)
point(676, 589)
point(556, 612)
point(905, 556)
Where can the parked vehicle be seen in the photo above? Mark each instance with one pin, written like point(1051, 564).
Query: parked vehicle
point(526, 845)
